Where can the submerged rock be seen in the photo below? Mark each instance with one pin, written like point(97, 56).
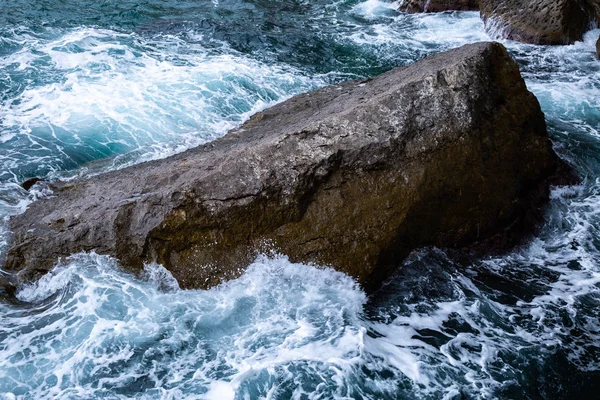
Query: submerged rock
point(446, 152)
point(548, 22)
point(416, 6)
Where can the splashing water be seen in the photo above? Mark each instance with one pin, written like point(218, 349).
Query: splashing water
point(107, 95)
point(95, 330)
point(86, 88)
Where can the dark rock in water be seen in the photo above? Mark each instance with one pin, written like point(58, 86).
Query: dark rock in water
point(548, 22)
point(8, 289)
point(598, 47)
point(417, 6)
point(448, 151)
point(28, 183)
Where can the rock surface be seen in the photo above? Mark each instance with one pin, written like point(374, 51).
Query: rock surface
point(448, 151)
point(548, 22)
point(417, 6)
point(595, 6)
point(598, 47)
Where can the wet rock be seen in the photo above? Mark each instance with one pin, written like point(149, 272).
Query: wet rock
point(417, 6)
point(446, 152)
point(598, 47)
point(548, 22)
point(595, 6)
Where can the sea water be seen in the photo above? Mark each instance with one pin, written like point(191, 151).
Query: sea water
point(87, 87)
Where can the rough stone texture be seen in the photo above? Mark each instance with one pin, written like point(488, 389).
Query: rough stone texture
point(448, 151)
point(595, 5)
point(417, 6)
point(539, 21)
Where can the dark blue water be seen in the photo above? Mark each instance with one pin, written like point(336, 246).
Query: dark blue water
point(87, 87)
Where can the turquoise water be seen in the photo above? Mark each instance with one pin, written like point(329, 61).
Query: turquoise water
point(87, 87)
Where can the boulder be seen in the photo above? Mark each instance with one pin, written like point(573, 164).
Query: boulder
point(446, 152)
point(418, 6)
point(598, 47)
point(548, 22)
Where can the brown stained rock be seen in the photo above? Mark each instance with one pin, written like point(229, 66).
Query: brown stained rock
point(430, 6)
point(448, 151)
point(547, 22)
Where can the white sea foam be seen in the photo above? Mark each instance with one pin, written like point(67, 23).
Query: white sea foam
point(100, 330)
point(282, 330)
point(566, 80)
point(478, 333)
point(420, 32)
point(373, 9)
point(233, 339)
point(112, 93)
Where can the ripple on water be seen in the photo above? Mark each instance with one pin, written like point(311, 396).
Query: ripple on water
point(132, 85)
point(92, 93)
point(89, 329)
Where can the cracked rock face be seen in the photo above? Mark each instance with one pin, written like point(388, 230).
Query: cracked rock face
point(417, 6)
point(548, 22)
point(448, 151)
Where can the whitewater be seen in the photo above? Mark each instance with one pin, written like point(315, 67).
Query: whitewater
point(88, 88)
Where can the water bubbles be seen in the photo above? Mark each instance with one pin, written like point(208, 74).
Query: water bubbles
point(101, 330)
point(129, 82)
point(94, 93)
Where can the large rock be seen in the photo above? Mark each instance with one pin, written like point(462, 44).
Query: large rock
point(417, 6)
point(539, 21)
point(598, 47)
point(445, 152)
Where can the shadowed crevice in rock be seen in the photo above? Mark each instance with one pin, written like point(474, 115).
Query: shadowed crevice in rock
point(446, 152)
